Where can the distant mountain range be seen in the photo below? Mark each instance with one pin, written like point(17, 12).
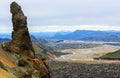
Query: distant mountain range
point(48, 35)
point(87, 35)
point(5, 35)
point(84, 35)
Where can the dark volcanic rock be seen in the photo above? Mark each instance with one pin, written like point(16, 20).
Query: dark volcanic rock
point(80, 70)
point(19, 53)
point(20, 36)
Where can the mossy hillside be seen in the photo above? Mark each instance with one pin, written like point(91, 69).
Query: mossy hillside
point(114, 55)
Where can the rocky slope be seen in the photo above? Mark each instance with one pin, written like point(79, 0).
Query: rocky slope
point(80, 70)
point(17, 58)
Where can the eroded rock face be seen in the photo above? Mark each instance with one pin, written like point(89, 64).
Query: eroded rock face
point(21, 41)
point(18, 55)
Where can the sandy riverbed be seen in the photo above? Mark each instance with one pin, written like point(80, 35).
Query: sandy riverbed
point(87, 54)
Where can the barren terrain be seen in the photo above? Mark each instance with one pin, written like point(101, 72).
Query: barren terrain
point(87, 54)
point(80, 63)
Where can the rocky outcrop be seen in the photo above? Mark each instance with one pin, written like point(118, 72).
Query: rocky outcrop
point(18, 56)
point(21, 41)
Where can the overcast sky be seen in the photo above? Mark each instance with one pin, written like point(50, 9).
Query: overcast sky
point(57, 15)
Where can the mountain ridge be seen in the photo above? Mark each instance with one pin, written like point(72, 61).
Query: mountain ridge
point(88, 35)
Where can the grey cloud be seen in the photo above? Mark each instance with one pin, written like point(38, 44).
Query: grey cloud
point(66, 12)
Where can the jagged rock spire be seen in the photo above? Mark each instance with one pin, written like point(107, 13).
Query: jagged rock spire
point(19, 53)
point(21, 42)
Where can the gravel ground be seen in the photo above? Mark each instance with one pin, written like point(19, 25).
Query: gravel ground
point(80, 70)
point(86, 54)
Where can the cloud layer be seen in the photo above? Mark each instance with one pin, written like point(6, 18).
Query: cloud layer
point(73, 28)
point(65, 12)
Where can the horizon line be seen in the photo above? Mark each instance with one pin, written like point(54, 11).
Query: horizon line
point(65, 28)
point(63, 31)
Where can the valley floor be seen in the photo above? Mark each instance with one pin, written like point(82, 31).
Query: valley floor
point(80, 63)
point(87, 54)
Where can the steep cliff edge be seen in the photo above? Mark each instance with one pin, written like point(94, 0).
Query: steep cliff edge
point(17, 58)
